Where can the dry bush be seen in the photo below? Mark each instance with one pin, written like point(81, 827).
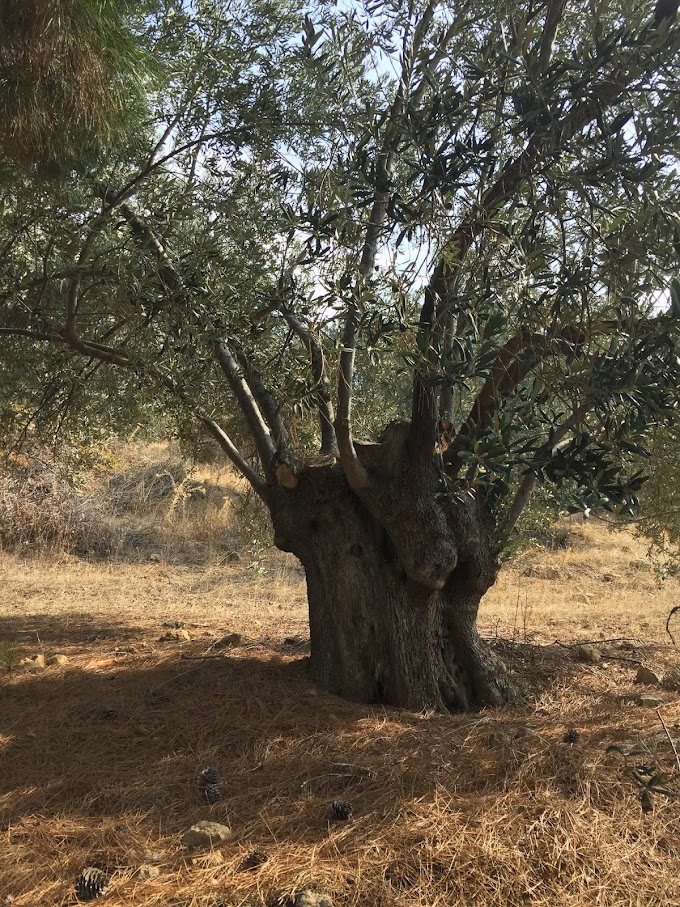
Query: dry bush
point(40, 513)
point(140, 502)
point(153, 486)
point(170, 509)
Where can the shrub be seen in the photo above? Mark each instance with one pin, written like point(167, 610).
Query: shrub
point(41, 513)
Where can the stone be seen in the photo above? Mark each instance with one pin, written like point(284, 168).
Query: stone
point(297, 641)
point(310, 898)
point(208, 858)
point(35, 663)
point(145, 856)
point(588, 654)
point(640, 564)
point(178, 635)
point(229, 641)
point(652, 702)
point(205, 833)
point(542, 572)
point(58, 660)
point(146, 872)
point(648, 676)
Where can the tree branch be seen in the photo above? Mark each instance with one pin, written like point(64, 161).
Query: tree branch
point(265, 400)
point(329, 443)
point(123, 359)
point(446, 393)
point(552, 22)
point(243, 393)
point(514, 362)
point(528, 483)
point(51, 336)
point(73, 295)
point(245, 399)
point(355, 472)
point(235, 455)
point(665, 9)
point(519, 502)
point(543, 143)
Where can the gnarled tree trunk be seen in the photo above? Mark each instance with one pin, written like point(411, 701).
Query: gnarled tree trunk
point(382, 629)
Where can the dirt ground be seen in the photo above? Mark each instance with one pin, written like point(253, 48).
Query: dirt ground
point(100, 755)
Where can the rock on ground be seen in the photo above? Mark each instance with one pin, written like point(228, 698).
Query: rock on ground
point(58, 660)
point(588, 654)
point(179, 635)
point(147, 872)
point(35, 663)
point(228, 642)
point(205, 833)
point(648, 675)
point(309, 898)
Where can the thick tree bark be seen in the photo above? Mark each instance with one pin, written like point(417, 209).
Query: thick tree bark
point(377, 633)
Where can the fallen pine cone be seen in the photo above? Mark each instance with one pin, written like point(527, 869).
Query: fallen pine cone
point(340, 811)
point(208, 781)
point(90, 884)
point(254, 859)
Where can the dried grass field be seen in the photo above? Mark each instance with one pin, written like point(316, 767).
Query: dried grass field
point(100, 755)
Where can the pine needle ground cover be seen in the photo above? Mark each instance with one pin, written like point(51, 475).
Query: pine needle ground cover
point(100, 757)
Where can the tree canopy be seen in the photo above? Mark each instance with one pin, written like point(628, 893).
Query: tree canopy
point(489, 203)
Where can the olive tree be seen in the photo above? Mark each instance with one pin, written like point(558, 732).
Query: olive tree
point(468, 220)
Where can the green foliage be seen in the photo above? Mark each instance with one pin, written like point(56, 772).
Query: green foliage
point(545, 185)
point(649, 778)
point(660, 500)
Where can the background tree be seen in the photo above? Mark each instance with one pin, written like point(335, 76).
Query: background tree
point(74, 76)
point(659, 520)
point(476, 214)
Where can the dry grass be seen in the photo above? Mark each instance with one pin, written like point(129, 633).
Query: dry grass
point(601, 585)
point(170, 512)
point(142, 504)
point(41, 513)
point(99, 759)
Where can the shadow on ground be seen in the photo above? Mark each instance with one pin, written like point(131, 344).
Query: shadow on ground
point(74, 628)
point(99, 762)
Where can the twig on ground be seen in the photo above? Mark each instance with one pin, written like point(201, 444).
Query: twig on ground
point(668, 629)
point(202, 657)
point(573, 645)
point(670, 739)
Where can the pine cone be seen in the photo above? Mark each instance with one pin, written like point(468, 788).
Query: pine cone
point(91, 884)
point(340, 811)
point(254, 859)
point(208, 776)
point(208, 782)
point(212, 793)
